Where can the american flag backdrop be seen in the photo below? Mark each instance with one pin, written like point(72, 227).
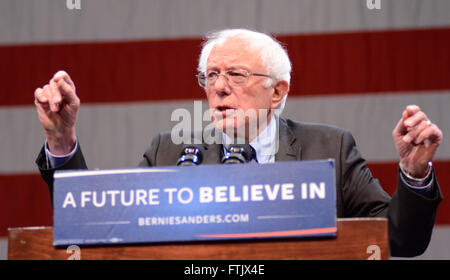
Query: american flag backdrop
point(133, 63)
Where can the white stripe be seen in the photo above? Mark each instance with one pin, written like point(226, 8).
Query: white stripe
point(111, 135)
point(3, 248)
point(68, 174)
point(439, 247)
point(43, 21)
point(371, 118)
point(116, 135)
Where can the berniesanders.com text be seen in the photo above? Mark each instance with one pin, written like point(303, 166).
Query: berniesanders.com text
point(194, 220)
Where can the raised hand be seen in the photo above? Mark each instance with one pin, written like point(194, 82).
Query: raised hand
point(416, 139)
point(57, 105)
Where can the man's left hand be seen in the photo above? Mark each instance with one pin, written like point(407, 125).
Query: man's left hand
point(416, 139)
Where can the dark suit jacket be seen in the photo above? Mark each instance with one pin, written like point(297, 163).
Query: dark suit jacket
point(411, 215)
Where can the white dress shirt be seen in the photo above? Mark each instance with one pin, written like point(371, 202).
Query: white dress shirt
point(265, 144)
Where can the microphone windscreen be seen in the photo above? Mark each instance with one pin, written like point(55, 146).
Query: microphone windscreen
point(191, 155)
point(239, 153)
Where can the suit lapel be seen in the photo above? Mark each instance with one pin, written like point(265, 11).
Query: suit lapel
point(289, 148)
point(212, 152)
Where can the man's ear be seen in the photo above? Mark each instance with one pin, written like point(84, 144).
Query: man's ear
point(281, 88)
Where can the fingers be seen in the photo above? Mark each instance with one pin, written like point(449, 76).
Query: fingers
point(415, 120)
point(48, 98)
point(39, 97)
point(60, 88)
point(404, 125)
point(417, 128)
point(65, 86)
point(42, 106)
point(55, 97)
point(67, 91)
point(414, 132)
point(431, 134)
point(62, 75)
point(411, 110)
point(411, 116)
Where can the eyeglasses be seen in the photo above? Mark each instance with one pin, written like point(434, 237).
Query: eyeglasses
point(236, 77)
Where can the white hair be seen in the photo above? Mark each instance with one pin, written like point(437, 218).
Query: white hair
point(274, 57)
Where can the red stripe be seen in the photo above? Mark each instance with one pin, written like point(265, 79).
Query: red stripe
point(273, 233)
point(370, 62)
point(24, 199)
point(408, 60)
point(386, 173)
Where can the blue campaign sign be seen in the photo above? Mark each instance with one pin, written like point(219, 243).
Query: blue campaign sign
point(190, 203)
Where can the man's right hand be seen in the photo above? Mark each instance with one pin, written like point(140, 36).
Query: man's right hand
point(57, 105)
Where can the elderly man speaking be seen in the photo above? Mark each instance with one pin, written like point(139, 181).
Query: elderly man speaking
point(243, 70)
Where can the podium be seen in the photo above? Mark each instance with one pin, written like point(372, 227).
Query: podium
point(357, 238)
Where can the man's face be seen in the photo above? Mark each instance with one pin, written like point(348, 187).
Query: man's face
point(225, 98)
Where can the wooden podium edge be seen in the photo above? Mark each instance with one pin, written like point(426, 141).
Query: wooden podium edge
point(357, 238)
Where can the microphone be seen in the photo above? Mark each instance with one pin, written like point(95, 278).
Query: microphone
point(239, 154)
point(190, 155)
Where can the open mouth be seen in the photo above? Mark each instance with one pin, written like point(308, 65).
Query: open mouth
point(224, 109)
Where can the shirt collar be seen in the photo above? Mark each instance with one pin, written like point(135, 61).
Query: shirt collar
point(264, 143)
